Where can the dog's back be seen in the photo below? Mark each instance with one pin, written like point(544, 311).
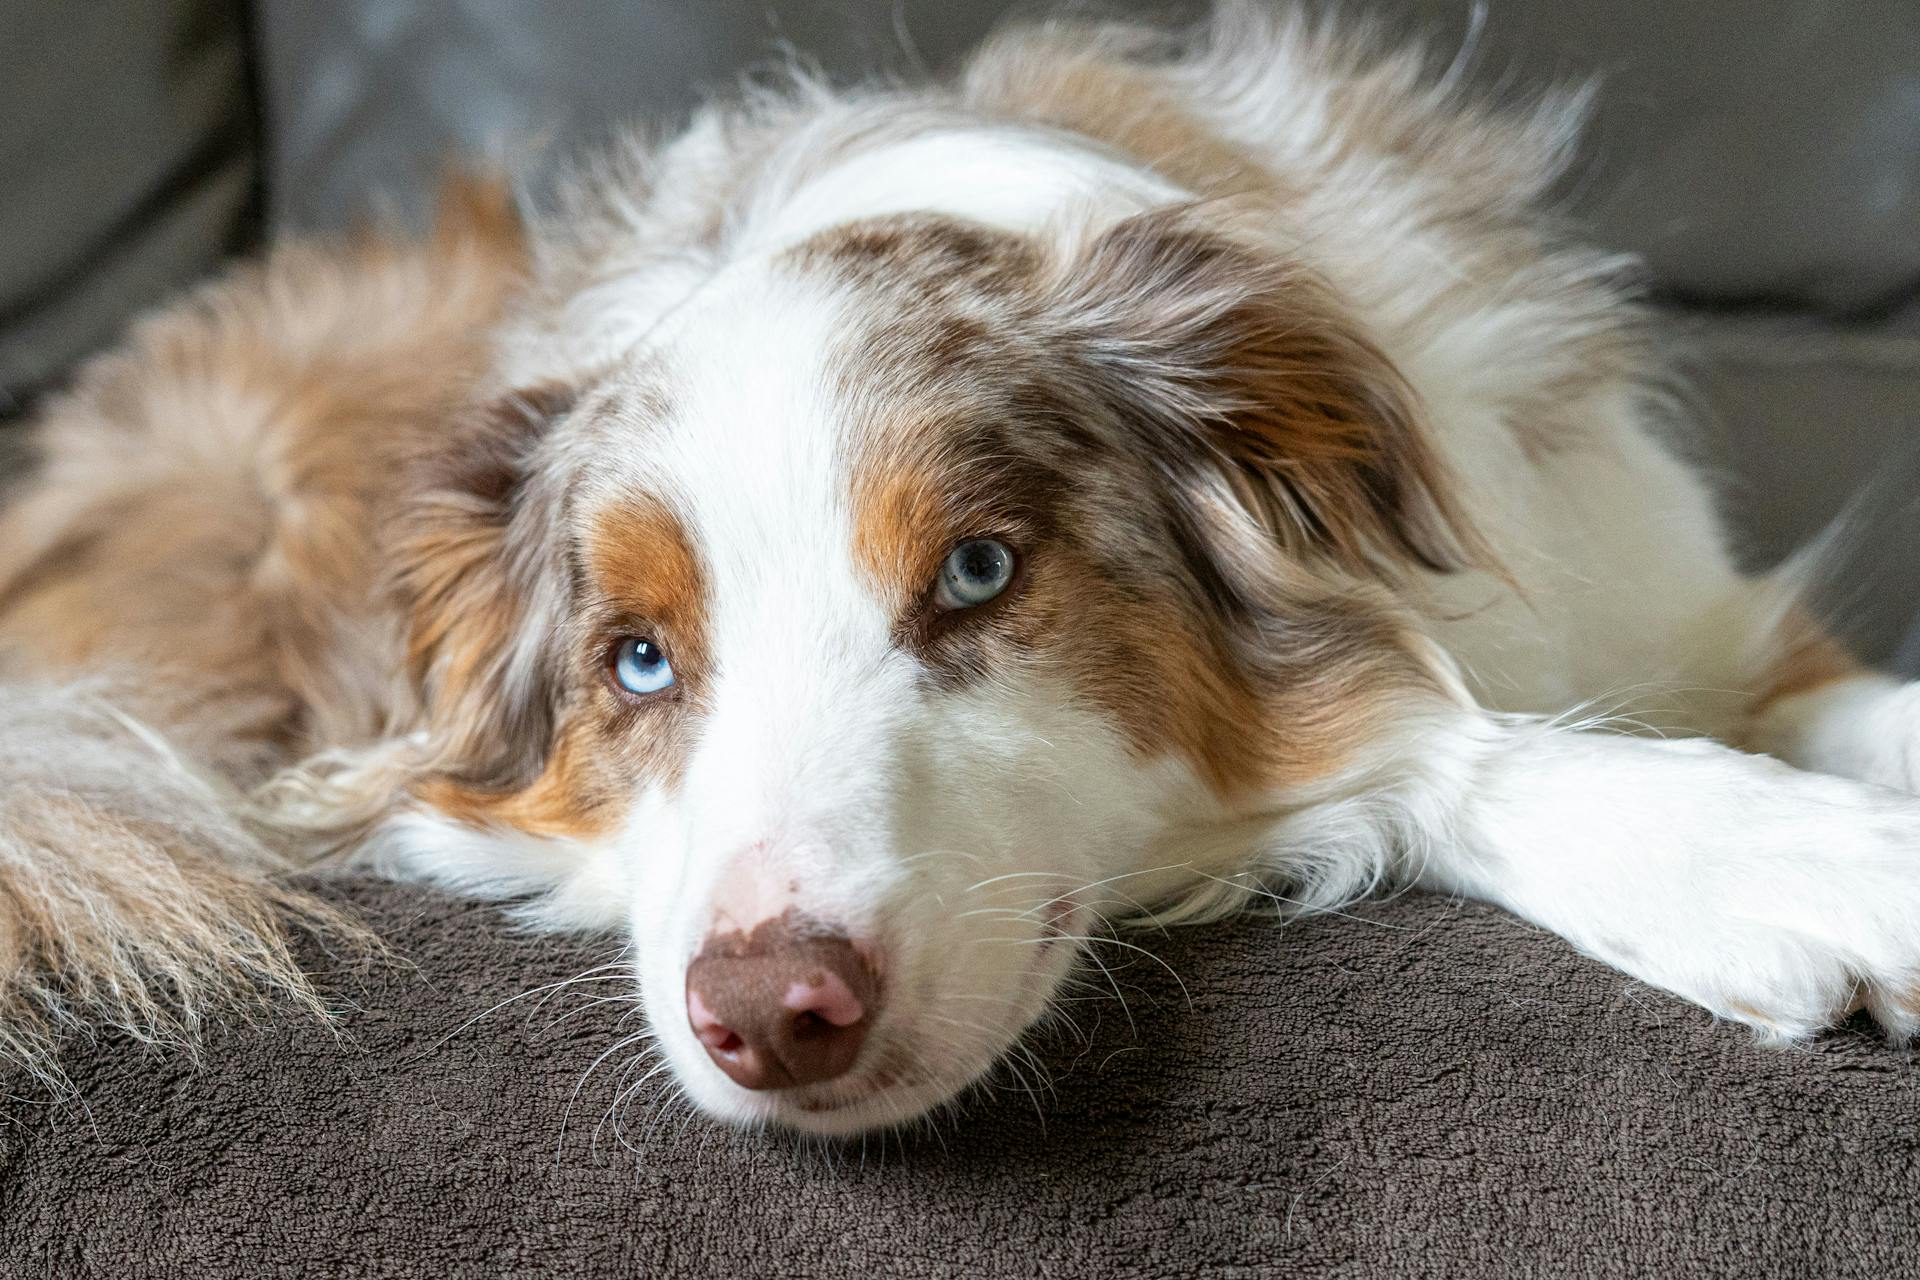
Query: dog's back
point(192, 594)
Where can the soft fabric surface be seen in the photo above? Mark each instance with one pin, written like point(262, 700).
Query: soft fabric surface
point(1427, 1088)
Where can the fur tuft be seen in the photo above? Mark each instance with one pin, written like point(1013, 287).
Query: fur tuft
point(133, 895)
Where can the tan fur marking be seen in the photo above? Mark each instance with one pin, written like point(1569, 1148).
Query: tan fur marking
point(1124, 106)
point(641, 563)
point(1748, 1013)
point(903, 525)
point(1809, 659)
point(643, 579)
point(1169, 675)
point(574, 796)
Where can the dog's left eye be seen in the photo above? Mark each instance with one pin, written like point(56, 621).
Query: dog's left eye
point(640, 666)
point(974, 572)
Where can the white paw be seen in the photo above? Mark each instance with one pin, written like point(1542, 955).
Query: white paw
point(1800, 908)
point(1780, 898)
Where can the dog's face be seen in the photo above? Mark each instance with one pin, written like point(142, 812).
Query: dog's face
point(914, 600)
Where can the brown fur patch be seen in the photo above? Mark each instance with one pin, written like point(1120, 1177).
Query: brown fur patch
point(1253, 707)
point(640, 576)
point(1478, 168)
point(1809, 659)
point(1210, 361)
point(929, 254)
point(1322, 438)
point(490, 704)
point(577, 794)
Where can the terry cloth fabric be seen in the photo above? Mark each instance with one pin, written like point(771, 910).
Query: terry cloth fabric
point(1425, 1088)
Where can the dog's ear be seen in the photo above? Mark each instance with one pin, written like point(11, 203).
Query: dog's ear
point(483, 581)
point(1257, 392)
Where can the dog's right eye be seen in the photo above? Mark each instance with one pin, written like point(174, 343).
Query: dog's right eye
point(640, 666)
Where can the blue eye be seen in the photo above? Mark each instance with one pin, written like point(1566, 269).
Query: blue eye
point(975, 572)
point(640, 666)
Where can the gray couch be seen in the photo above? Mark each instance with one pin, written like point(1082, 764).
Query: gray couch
point(1425, 1089)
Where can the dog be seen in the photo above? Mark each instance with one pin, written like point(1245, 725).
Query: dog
point(865, 545)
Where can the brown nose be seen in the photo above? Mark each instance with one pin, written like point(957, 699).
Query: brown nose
point(781, 1006)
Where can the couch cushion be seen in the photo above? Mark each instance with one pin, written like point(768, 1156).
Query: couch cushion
point(1809, 433)
point(1771, 155)
point(1420, 1088)
point(126, 138)
point(1766, 152)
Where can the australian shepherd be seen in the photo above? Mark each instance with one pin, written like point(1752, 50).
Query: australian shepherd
point(869, 543)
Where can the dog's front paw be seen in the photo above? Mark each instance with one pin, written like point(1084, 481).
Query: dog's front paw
point(1801, 911)
point(1828, 994)
point(1775, 897)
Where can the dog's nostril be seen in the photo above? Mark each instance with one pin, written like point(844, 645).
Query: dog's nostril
point(825, 997)
point(712, 1032)
point(781, 1007)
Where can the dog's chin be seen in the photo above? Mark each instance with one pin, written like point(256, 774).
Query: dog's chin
point(859, 1106)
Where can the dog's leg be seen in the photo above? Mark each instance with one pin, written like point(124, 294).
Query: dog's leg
point(1778, 897)
point(1858, 725)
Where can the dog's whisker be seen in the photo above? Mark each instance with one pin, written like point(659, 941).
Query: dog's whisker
point(547, 989)
point(566, 1112)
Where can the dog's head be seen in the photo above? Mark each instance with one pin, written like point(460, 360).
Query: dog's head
point(913, 600)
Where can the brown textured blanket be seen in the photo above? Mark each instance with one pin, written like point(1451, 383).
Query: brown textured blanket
point(1427, 1088)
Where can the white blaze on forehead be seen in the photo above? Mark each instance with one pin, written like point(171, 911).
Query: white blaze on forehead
point(1016, 179)
point(754, 458)
point(755, 448)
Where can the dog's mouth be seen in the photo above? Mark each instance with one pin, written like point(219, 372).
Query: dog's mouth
point(876, 1090)
point(911, 1070)
point(897, 1090)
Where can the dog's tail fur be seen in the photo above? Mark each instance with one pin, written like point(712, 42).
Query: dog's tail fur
point(134, 893)
point(192, 599)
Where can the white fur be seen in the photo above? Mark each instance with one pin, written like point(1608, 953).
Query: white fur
point(887, 805)
point(1011, 177)
point(1766, 894)
point(1867, 728)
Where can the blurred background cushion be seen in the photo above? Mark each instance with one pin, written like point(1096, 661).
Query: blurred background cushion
point(127, 146)
point(1755, 151)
